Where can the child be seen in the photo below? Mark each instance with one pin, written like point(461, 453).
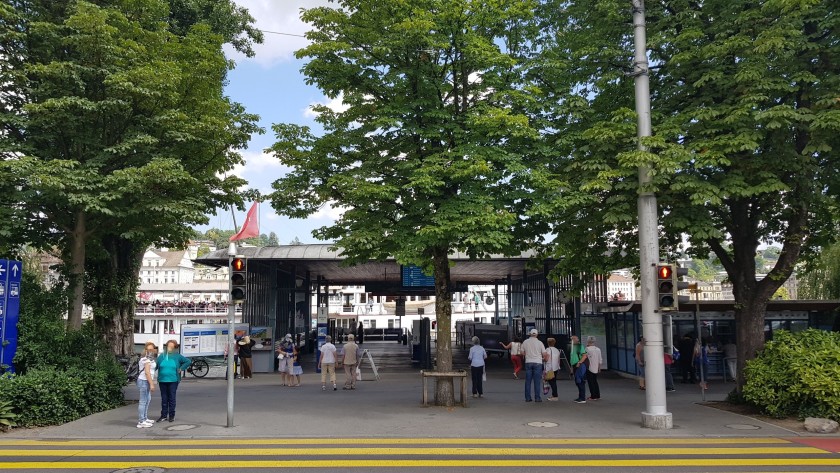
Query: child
point(296, 370)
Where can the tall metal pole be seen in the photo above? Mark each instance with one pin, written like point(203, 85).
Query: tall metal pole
point(231, 364)
point(655, 415)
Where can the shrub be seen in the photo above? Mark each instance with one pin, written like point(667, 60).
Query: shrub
point(8, 418)
point(796, 374)
point(47, 396)
point(61, 375)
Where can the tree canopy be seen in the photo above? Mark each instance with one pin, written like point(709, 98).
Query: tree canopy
point(745, 119)
point(425, 158)
point(119, 138)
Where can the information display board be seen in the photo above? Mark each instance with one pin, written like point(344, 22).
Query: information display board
point(208, 339)
point(412, 276)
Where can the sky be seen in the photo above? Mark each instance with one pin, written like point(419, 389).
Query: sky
point(271, 85)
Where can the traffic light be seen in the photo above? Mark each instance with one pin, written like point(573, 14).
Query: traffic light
point(665, 287)
point(238, 273)
point(680, 285)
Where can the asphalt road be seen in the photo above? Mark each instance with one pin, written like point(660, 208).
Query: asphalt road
point(647, 455)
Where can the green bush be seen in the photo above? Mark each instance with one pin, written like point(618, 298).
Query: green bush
point(796, 374)
point(8, 418)
point(61, 375)
point(48, 396)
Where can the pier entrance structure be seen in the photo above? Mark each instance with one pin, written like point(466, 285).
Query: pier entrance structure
point(285, 282)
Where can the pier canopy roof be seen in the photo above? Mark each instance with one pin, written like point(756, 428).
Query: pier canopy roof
point(327, 262)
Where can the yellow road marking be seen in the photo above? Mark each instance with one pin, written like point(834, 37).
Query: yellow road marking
point(400, 441)
point(394, 451)
point(390, 463)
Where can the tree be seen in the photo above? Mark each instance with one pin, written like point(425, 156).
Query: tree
point(272, 240)
point(120, 141)
point(296, 241)
point(425, 158)
point(745, 117)
point(821, 278)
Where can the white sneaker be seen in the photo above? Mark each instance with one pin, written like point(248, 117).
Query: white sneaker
point(143, 425)
point(149, 421)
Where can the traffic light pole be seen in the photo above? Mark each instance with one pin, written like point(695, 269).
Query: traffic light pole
point(231, 363)
point(655, 415)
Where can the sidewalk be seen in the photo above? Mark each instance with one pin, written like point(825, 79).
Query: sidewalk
point(391, 408)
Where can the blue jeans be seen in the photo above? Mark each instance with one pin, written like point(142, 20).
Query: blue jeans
point(167, 399)
point(533, 376)
point(145, 399)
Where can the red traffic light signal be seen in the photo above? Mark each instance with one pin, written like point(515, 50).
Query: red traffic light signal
point(238, 264)
point(238, 279)
point(665, 287)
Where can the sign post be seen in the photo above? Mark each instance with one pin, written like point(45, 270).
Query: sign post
point(10, 276)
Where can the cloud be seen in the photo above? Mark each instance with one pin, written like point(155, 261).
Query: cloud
point(259, 169)
point(337, 105)
point(329, 211)
point(277, 16)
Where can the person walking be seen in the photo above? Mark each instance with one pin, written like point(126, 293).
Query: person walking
point(593, 355)
point(146, 384)
point(639, 356)
point(477, 356)
point(169, 366)
point(552, 367)
point(687, 355)
point(245, 346)
point(534, 352)
point(326, 363)
point(360, 333)
point(350, 359)
point(579, 363)
point(669, 378)
point(515, 348)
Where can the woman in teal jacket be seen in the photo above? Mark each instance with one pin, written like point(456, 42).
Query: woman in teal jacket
point(169, 366)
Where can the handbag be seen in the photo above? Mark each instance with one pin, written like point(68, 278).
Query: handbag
point(549, 373)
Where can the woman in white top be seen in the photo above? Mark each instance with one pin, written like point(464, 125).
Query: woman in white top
point(515, 348)
point(477, 356)
point(552, 365)
point(146, 384)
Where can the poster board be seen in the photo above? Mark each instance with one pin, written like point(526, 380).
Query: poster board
point(208, 339)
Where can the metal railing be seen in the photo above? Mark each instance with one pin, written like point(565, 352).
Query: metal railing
point(176, 310)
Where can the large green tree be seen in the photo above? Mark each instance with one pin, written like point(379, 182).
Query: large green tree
point(119, 140)
point(746, 123)
point(424, 159)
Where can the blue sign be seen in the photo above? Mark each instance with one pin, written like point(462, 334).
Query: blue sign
point(412, 276)
point(10, 275)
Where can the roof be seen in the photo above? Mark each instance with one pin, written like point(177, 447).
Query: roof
point(729, 305)
point(327, 261)
point(172, 259)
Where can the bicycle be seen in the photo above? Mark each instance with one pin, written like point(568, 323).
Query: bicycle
point(131, 365)
point(199, 367)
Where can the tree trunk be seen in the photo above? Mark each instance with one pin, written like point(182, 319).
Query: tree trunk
point(444, 390)
point(113, 292)
point(78, 246)
point(749, 317)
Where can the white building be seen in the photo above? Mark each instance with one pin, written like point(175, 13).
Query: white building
point(166, 267)
point(621, 287)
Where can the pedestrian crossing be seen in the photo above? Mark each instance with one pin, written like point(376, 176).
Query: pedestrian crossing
point(649, 454)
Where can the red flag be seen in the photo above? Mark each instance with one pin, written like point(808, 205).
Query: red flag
point(251, 227)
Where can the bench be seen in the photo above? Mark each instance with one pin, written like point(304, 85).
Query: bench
point(445, 374)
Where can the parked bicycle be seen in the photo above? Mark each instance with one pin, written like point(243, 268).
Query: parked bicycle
point(131, 366)
point(199, 367)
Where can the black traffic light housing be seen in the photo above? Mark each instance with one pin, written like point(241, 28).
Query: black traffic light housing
point(680, 285)
point(665, 287)
point(238, 279)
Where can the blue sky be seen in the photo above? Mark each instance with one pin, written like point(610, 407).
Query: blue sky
point(271, 85)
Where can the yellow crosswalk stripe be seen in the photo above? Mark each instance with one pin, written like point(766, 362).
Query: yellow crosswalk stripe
point(399, 451)
point(392, 463)
point(396, 441)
